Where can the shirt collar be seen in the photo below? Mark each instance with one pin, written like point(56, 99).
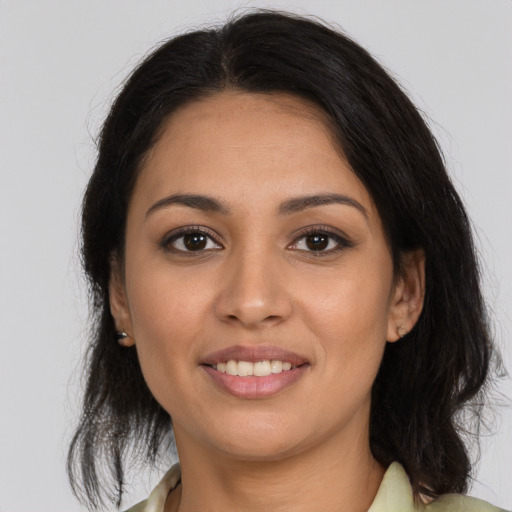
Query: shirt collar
point(394, 492)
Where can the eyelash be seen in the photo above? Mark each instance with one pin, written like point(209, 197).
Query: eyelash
point(168, 239)
point(342, 241)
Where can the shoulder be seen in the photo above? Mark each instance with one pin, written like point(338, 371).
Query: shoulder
point(158, 497)
point(140, 507)
point(458, 503)
point(395, 495)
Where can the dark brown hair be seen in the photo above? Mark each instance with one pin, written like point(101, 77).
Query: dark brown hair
point(428, 378)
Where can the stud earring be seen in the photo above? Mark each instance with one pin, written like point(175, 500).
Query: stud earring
point(401, 331)
point(123, 339)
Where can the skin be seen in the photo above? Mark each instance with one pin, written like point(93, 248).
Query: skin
point(258, 282)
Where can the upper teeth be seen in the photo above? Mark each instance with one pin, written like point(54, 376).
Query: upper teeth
point(258, 369)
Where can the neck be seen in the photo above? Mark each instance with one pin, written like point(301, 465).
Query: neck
point(334, 477)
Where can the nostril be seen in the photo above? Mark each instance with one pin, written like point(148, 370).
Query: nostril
point(246, 320)
point(251, 311)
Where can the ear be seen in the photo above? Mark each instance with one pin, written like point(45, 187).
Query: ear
point(119, 303)
point(408, 295)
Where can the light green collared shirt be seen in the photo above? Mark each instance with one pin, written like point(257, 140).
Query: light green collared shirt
point(394, 495)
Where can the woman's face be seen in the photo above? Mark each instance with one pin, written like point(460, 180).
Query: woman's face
point(251, 247)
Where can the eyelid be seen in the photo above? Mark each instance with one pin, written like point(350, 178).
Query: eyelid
point(341, 238)
point(337, 235)
point(175, 234)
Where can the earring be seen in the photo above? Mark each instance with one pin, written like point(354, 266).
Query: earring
point(123, 339)
point(401, 331)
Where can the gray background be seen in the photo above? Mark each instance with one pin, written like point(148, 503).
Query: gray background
point(59, 65)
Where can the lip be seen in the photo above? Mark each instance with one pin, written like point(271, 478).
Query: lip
point(254, 354)
point(256, 387)
point(252, 387)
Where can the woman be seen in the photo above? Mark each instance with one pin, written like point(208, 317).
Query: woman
point(273, 240)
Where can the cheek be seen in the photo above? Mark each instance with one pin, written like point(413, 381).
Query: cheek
point(166, 303)
point(348, 317)
point(351, 302)
point(168, 313)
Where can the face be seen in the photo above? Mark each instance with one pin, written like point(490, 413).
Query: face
point(252, 248)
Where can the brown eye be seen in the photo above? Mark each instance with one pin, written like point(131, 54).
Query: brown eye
point(195, 241)
point(320, 242)
point(317, 242)
point(190, 240)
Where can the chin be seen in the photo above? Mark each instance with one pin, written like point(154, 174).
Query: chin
point(261, 441)
point(261, 451)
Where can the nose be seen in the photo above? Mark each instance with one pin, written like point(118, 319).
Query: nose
point(254, 291)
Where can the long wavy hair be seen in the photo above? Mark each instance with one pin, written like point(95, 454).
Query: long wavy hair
point(426, 380)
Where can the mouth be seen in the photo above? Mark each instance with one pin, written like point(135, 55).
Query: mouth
point(254, 372)
point(257, 369)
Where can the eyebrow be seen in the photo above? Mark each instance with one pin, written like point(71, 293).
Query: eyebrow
point(199, 202)
point(298, 204)
point(288, 207)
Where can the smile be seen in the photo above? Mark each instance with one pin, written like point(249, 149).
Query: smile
point(257, 369)
point(254, 371)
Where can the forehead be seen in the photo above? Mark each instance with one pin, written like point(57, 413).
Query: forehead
point(239, 144)
point(235, 105)
point(253, 119)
